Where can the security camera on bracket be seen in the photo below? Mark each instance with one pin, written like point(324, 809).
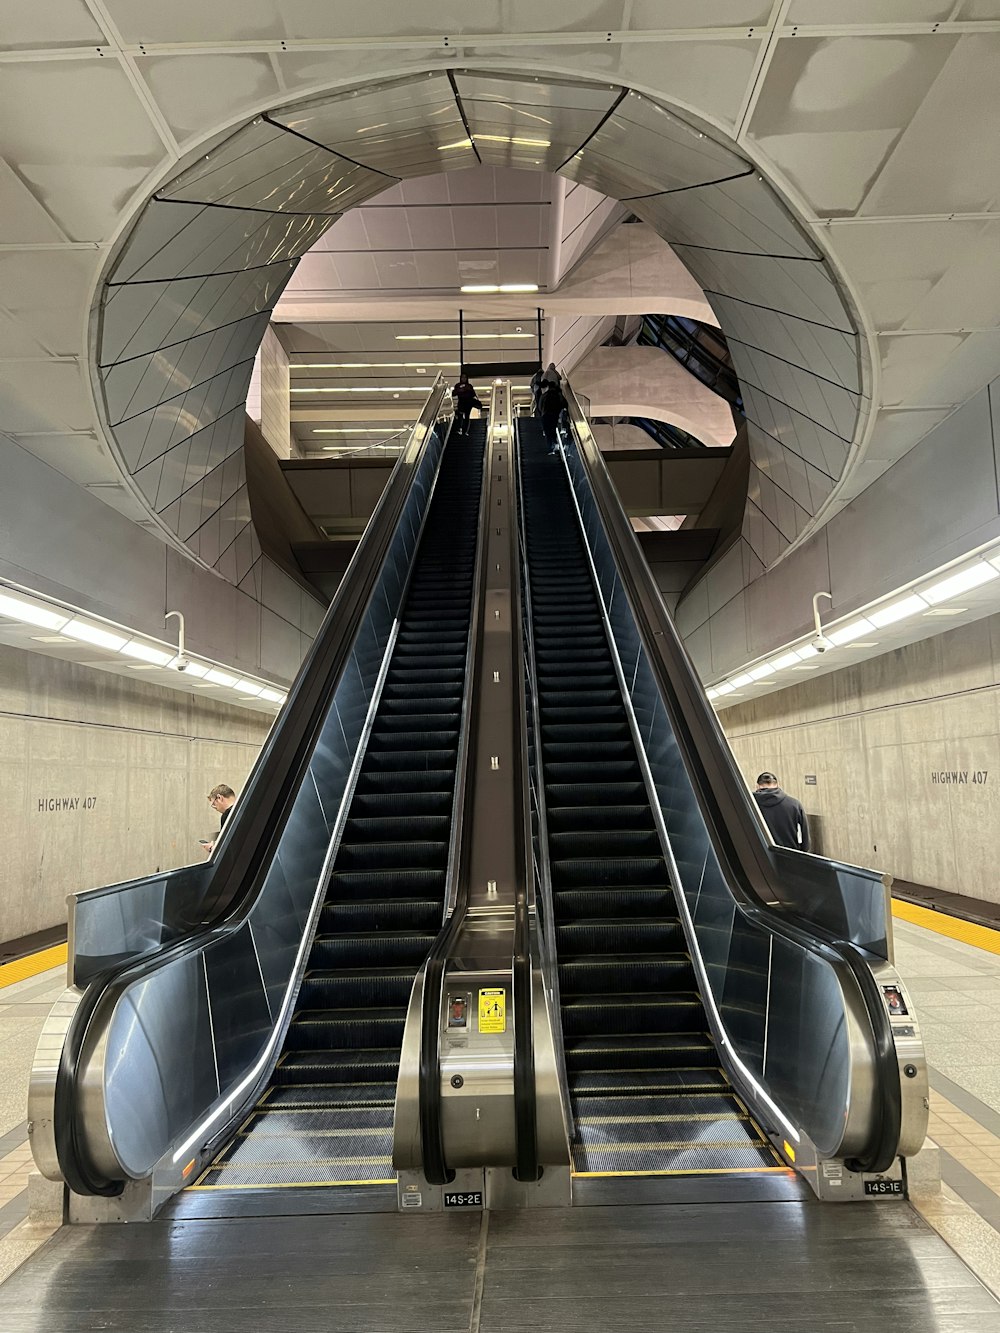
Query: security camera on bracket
point(819, 641)
point(181, 662)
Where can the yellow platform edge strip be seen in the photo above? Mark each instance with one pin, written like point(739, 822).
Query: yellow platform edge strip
point(706, 1171)
point(291, 1185)
point(953, 927)
point(32, 965)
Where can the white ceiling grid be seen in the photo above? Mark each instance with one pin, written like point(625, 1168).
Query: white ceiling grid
point(879, 116)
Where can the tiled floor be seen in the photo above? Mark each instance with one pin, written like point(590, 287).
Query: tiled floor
point(956, 987)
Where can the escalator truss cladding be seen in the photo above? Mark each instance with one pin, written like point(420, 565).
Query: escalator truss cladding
point(327, 1116)
point(647, 1092)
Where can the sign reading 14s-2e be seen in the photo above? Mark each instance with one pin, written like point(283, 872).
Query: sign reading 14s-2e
point(464, 1199)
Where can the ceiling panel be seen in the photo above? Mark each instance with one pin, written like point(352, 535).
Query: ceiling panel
point(56, 23)
point(385, 229)
point(396, 269)
point(873, 12)
point(265, 167)
point(408, 128)
point(24, 218)
point(430, 227)
point(712, 77)
point(644, 149)
point(78, 136)
point(47, 292)
point(194, 91)
point(700, 13)
point(924, 275)
point(477, 226)
point(531, 123)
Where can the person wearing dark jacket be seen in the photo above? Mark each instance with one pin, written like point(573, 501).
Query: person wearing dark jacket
point(782, 813)
point(552, 406)
point(465, 399)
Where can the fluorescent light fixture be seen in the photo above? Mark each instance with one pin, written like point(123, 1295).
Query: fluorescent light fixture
point(905, 607)
point(365, 388)
point(806, 651)
point(725, 687)
point(370, 365)
point(712, 694)
point(971, 577)
point(946, 611)
point(785, 661)
point(100, 638)
point(738, 682)
point(500, 287)
point(353, 430)
point(453, 337)
point(857, 629)
point(220, 678)
point(248, 687)
point(145, 652)
point(273, 696)
point(759, 672)
point(30, 613)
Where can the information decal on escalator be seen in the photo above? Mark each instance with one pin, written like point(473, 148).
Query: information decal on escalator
point(883, 1187)
point(493, 1010)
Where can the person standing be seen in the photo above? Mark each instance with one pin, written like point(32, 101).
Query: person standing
point(465, 399)
point(221, 799)
point(552, 406)
point(783, 814)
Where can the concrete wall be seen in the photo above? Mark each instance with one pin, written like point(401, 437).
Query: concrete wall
point(883, 739)
point(138, 761)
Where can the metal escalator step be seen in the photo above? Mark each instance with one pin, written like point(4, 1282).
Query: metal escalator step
point(401, 723)
point(415, 855)
point(371, 949)
point(395, 828)
point(597, 872)
point(611, 937)
point(401, 914)
point(409, 761)
point(626, 974)
point(668, 1158)
point(600, 844)
point(401, 805)
point(313, 1095)
point(421, 705)
point(273, 1122)
point(570, 818)
point(385, 740)
point(592, 904)
point(372, 1066)
point(381, 987)
point(396, 782)
point(559, 795)
point(315, 1029)
point(636, 1015)
point(608, 771)
point(663, 1108)
point(586, 731)
point(684, 1082)
point(384, 885)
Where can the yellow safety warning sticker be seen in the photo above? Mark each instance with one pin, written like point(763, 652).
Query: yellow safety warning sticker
point(493, 1010)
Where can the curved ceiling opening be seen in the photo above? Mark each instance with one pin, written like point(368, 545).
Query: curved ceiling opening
point(188, 297)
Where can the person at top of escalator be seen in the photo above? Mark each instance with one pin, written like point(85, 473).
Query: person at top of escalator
point(465, 399)
point(782, 813)
point(551, 408)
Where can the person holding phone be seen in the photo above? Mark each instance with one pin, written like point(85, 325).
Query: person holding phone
point(221, 799)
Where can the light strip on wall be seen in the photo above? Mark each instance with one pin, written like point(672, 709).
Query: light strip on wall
point(28, 610)
point(374, 388)
point(371, 365)
point(482, 287)
point(453, 337)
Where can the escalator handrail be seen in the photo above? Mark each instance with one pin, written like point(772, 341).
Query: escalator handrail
point(253, 828)
point(734, 826)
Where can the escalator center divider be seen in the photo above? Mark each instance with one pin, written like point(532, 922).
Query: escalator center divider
point(647, 1090)
point(327, 1116)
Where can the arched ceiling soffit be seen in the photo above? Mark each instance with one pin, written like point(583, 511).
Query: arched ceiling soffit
point(187, 298)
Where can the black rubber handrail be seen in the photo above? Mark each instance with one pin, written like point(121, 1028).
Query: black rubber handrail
point(725, 801)
point(253, 830)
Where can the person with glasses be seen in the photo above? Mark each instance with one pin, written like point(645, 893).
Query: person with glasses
point(221, 799)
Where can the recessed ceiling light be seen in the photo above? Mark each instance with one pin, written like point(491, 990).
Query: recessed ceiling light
point(30, 613)
point(964, 581)
point(783, 663)
point(88, 633)
point(946, 611)
point(739, 681)
point(895, 611)
point(857, 629)
point(145, 652)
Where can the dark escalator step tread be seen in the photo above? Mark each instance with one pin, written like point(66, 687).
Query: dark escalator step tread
point(437, 780)
point(409, 761)
point(689, 1082)
point(665, 1107)
point(304, 1149)
point(415, 855)
point(401, 805)
point(583, 794)
point(396, 828)
point(371, 949)
point(625, 975)
point(392, 724)
point(599, 772)
point(610, 938)
point(376, 988)
point(598, 819)
point(370, 1064)
point(654, 902)
point(445, 705)
point(384, 885)
point(582, 843)
point(603, 872)
point(418, 914)
point(310, 1030)
point(305, 1095)
point(640, 1016)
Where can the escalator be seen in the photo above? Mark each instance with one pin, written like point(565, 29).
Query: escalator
point(647, 1092)
point(326, 1118)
